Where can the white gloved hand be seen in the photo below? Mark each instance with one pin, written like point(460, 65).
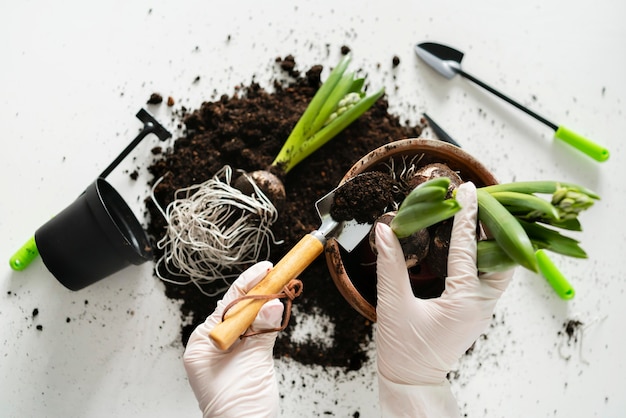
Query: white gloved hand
point(241, 381)
point(419, 340)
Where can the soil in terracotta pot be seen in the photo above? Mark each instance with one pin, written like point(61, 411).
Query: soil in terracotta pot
point(246, 130)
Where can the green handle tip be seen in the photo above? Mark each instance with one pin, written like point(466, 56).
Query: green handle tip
point(25, 255)
point(595, 151)
point(554, 277)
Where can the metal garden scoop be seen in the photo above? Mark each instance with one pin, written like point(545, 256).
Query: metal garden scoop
point(447, 62)
point(348, 233)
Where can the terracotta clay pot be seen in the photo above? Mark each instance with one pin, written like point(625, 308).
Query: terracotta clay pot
point(354, 273)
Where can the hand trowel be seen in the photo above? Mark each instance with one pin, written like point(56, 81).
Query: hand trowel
point(447, 62)
point(347, 233)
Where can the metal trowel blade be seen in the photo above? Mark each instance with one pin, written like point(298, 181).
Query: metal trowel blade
point(442, 58)
point(347, 233)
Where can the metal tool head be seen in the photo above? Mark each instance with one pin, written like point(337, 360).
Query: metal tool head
point(347, 233)
point(442, 58)
point(438, 130)
point(151, 125)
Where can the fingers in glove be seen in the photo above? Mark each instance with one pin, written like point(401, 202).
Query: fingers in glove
point(241, 380)
point(497, 280)
point(247, 280)
point(270, 316)
point(393, 279)
point(462, 253)
point(271, 313)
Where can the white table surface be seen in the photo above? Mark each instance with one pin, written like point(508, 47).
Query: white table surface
point(73, 74)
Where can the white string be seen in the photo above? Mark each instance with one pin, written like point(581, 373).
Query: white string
point(214, 232)
point(577, 334)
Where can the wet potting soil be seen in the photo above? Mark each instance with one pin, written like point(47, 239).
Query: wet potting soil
point(246, 130)
point(363, 198)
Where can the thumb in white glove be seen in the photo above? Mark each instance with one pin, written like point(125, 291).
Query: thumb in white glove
point(241, 381)
point(418, 340)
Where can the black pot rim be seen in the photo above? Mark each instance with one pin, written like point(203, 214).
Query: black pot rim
point(118, 221)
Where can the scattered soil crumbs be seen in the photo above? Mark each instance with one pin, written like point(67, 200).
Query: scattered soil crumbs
point(570, 328)
point(571, 343)
point(155, 98)
point(246, 131)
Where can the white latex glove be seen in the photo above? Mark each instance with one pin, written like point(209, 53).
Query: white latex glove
point(241, 381)
point(419, 340)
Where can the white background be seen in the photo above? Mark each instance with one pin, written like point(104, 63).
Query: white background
point(73, 74)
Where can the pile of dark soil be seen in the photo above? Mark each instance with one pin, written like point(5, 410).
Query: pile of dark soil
point(246, 131)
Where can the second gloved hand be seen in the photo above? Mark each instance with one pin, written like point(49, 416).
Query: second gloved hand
point(419, 340)
point(239, 382)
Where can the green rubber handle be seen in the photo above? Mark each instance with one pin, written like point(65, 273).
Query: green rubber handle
point(595, 151)
point(25, 255)
point(554, 277)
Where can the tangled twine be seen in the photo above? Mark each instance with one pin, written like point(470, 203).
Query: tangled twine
point(290, 291)
point(214, 232)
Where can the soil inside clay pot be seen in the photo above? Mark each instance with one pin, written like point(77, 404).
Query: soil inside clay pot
point(366, 198)
point(246, 130)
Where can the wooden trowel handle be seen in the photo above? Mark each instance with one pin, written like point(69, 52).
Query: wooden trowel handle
point(241, 316)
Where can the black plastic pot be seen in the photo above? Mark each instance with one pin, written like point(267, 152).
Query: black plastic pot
point(94, 237)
